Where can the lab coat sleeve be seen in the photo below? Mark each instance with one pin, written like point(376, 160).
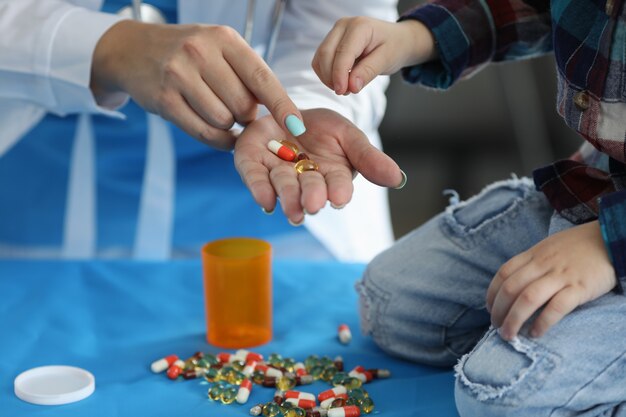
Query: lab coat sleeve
point(45, 61)
point(297, 44)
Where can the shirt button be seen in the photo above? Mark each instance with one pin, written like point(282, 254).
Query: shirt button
point(608, 8)
point(581, 100)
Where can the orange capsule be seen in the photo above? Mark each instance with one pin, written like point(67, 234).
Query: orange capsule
point(281, 150)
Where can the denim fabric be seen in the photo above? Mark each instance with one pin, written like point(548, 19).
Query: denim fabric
point(424, 300)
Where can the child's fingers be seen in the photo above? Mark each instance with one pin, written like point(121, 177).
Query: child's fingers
point(534, 295)
point(325, 55)
point(356, 40)
point(563, 303)
point(368, 68)
point(504, 273)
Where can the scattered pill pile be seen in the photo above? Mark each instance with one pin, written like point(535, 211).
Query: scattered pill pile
point(233, 375)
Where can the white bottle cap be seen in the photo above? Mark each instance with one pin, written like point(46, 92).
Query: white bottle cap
point(54, 385)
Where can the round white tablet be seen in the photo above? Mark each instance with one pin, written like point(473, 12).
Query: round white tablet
point(54, 385)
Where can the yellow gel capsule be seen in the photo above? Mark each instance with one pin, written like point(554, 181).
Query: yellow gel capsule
point(352, 383)
point(271, 410)
point(306, 165)
point(215, 392)
point(285, 383)
point(367, 405)
point(291, 146)
point(228, 395)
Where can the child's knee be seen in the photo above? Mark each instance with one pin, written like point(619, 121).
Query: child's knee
point(500, 378)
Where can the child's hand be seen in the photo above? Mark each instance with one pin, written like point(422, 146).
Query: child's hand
point(563, 271)
point(358, 49)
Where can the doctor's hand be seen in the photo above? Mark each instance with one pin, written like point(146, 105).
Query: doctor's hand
point(358, 49)
point(559, 273)
point(338, 147)
point(202, 78)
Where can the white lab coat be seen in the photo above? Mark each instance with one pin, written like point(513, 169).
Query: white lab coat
point(45, 58)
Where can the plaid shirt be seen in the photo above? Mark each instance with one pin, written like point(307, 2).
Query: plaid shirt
point(588, 38)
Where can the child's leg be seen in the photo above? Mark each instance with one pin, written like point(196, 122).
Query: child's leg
point(576, 369)
point(424, 299)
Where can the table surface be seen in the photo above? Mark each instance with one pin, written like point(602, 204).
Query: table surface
point(114, 318)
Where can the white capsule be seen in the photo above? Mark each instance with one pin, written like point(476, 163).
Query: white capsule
point(345, 336)
point(244, 391)
point(161, 365)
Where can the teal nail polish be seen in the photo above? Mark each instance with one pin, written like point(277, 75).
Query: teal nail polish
point(295, 125)
point(403, 182)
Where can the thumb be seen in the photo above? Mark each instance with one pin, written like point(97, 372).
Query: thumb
point(376, 166)
point(368, 68)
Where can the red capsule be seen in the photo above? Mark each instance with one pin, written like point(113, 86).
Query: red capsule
point(300, 395)
point(300, 369)
point(225, 357)
point(338, 362)
point(302, 403)
point(380, 373)
point(281, 150)
point(330, 393)
point(175, 370)
point(192, 374)
point(345, 336)
point(162, 364)
point(347, 411)
point(269, 371)
point(279, 397)
point(244, 391)
point(269, 381)
point(330, 402)
point(361, 373)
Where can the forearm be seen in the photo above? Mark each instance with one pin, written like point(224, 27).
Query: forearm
point(50, 45)
point(469, 34)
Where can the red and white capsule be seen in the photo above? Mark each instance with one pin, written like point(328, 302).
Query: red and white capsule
point(225, 357)
point(330, 393)
point(327, 403)
point(249, 368)
point(300, 395)
point(175, 369)
point(269, 371)
point(302, 403)
point(347, 411)
point(162, 364)
point(246, 355)
point(300, 369)
point(344, 334)
point(281, 150)
point(361, 373)
point(244, 391)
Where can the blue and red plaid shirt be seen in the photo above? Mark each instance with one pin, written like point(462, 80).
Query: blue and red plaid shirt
point(588, 38)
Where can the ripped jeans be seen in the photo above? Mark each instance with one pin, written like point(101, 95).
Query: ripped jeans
point(424, 300)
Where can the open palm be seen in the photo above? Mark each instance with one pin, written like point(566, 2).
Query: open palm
point(338, 147)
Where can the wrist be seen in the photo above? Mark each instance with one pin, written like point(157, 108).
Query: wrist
point(108, 62)
point(421, 43)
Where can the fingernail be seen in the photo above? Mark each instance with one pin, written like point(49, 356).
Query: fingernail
point(403, 182)
point(339, 207)
point(294, 224)
point(295, 125)
point(269, 213)
point(359, 84)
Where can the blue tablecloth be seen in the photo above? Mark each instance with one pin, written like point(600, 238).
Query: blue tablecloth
point(114, 318)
